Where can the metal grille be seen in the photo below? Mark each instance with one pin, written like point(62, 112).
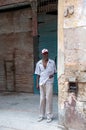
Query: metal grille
point(47, 5)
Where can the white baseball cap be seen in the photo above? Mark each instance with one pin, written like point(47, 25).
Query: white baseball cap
point(44, 51)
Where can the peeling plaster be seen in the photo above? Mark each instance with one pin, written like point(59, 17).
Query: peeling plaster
point(79, 16)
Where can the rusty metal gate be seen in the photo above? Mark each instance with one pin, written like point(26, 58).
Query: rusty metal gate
point(47, 5)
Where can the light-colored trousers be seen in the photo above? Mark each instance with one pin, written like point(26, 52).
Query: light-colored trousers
point(46, 100)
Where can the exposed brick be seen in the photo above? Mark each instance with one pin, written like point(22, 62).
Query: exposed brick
point(16, 51)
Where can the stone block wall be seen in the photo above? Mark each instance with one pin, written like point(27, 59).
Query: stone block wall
point(74, 63)
point(75, 59)
point(24, 70)
point(16, 50)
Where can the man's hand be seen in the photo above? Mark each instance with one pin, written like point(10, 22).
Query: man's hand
point(51, 76)
point(37, 82)
point(38, 87)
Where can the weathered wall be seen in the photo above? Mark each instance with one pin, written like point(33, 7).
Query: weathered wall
point(74, 44)
point(16, 50)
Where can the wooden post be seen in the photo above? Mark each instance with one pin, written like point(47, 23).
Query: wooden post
point(34, 17)
point(35, 31)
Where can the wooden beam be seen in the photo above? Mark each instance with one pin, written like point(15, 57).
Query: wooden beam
point(15, 6)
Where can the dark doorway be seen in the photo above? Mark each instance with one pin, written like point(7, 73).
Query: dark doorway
point(47, 31)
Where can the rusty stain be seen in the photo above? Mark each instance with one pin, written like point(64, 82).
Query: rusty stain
point(72, 118)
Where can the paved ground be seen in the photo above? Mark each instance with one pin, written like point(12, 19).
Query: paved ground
point(20, 112)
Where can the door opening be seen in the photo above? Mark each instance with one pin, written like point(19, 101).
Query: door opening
point(47, 33)
point(9, 74)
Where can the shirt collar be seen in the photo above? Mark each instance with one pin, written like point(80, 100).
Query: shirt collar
point(48, 61)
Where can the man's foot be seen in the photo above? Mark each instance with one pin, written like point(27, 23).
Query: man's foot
point(49, 120)
point(40, 119)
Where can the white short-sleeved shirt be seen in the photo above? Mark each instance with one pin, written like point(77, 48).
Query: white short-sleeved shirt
point(45, 72)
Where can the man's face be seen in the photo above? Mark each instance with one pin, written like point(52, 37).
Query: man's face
point(45, 55)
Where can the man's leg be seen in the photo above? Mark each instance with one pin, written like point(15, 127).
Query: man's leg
point(49, 101)
point(42, 103)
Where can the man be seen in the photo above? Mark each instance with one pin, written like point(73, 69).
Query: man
point(45, 70)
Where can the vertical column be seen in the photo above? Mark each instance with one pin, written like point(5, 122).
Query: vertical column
point(60, 38)
point(60, 56)
point(35, 30)
point(34, 14)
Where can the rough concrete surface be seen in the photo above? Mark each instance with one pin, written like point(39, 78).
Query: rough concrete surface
point(19, 111)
